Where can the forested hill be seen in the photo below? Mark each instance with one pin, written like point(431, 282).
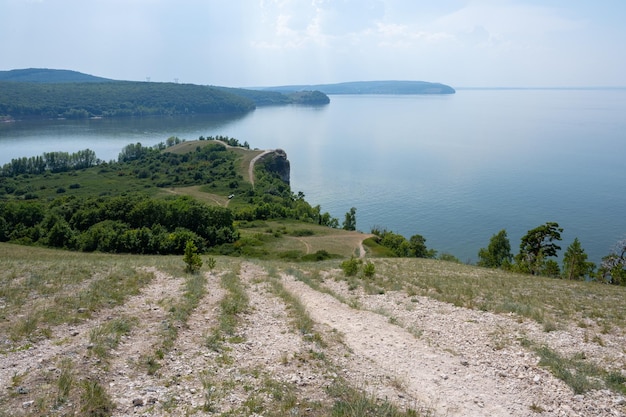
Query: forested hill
point(50, 93)
point(115, 98)
point(45, 75)
point(372, 87)
point(265, 98)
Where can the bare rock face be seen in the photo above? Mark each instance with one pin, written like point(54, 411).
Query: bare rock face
point(276, 162)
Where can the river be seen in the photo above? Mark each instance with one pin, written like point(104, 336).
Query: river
point(455, 168)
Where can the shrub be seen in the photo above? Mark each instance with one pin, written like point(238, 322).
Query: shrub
point(351, 266)
point(369, 269)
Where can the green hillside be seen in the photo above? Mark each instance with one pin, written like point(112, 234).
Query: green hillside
point(116, 98)
point(139, 203)
point(48, 93)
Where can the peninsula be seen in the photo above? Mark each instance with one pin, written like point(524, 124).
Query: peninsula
point(371, 87)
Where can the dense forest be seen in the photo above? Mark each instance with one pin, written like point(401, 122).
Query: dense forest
point(68, 94)
point(111, 99)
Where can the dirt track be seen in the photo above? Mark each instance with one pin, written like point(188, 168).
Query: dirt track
point(412, 351)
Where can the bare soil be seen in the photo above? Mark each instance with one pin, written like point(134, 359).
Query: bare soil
point(412, 351)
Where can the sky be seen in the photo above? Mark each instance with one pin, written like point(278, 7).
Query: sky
point(246, 43)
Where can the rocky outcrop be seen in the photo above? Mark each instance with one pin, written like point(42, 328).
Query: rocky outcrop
point(277, 163)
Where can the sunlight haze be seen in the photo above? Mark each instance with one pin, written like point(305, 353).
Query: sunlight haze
point(244, 43)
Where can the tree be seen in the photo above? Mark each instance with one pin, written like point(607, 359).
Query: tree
point(575, 265)
point(350, 222)
point(417, 247)
point(537, 245)
point(498, 252)
point(613, 267)
point(192, 260)
point(550, 268)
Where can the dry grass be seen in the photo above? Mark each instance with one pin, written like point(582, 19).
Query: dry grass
point(40, 288)
point(282, 236)
point(196, 192)
point(548, 301)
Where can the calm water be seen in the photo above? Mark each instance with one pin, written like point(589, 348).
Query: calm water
point(455, 169)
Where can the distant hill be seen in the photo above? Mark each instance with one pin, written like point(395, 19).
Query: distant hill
point(113, 99)
point(52, 93)
point(371, 87)
point(268, 98)
point(45, 75)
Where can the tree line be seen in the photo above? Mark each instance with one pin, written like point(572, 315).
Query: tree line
point(539, 246)
point(122, 224)
point(537, 249)
point(50, 161)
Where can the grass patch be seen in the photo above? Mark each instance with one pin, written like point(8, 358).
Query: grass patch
point(499, 291)
point(578, 373)
point(179, 312)
point(234, 304)
point(107, 336)
point(95, 401)
point(352, 402)
point(40, 288)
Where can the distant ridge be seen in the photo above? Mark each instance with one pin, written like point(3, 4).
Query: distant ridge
point(45, 75)
point(53, 93)
point(371, 87)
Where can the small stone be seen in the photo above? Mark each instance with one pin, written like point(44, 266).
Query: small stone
point(27, 404)
point(138, 402)
point(82, 310)
point(152, 400)
point(74, 333)
point(536, 379)
point(192, 390)
point(444, 377)
point(464, 363)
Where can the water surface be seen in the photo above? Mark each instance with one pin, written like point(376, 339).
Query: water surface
point(455, 169)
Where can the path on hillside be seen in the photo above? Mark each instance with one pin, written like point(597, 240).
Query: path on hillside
point(455, 361)
point(253, 162)
point(412, 351)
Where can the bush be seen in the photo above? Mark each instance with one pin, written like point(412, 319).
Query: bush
point(351, 266)
point(320, 255)
point(369, 269)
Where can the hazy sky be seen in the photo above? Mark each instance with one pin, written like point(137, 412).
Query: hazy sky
point(273, 42)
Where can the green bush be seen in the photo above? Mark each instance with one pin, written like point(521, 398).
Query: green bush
point(351, 266)
point(369, 269)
